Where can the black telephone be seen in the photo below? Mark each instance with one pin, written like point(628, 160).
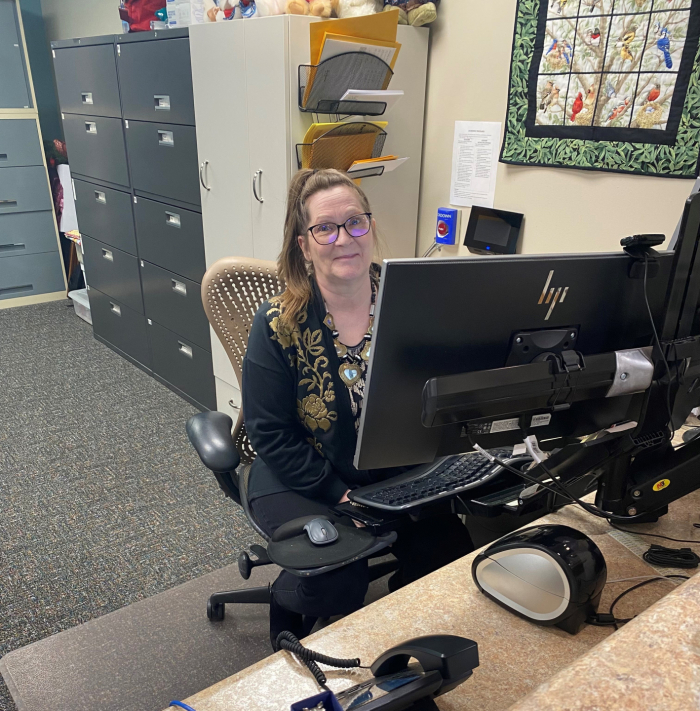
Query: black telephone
point(444, 662)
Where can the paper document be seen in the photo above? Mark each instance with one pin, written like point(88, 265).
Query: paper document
point(382, 26)
point(338, 44)
point(474, 163)
point(389, 164)
point(388, 97)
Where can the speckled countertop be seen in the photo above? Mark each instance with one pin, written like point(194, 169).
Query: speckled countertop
point(655, 657)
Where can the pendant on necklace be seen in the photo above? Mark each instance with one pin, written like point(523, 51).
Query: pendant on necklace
point(340, 349)
point(366, 351)
point(328, 321)
point(349, 373)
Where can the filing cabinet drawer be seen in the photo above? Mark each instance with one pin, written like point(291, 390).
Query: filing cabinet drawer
point(170, 237)
point(175, 302)
point(24, 190)
point(23, 233)
point(31, 274)
point(14, 82)
point(228, 399)
point(163, 160)
point(105, 214)
point(156, 81)
point(86, 79)
point(113, 272)
point(182, 364)
point(96, 148)
point(19, 143)
point(120, 326)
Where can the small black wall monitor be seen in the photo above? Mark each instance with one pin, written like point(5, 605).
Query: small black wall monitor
point(493, 231)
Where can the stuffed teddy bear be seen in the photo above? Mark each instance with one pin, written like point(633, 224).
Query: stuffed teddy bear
point(265, 8)
point(356, 8)
point(220, 10)
point(320, 8)
point(414, 12)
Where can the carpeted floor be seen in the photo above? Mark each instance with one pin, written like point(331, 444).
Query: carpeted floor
point(102, 500)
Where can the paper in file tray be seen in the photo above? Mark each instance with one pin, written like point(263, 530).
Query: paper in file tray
point(322, 87)
point(342, 146)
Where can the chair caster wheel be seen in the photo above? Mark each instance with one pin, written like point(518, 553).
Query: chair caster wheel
point(245, 565)
point(215, 612)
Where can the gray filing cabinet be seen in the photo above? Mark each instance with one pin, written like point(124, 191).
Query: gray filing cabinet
point(128, 116)
point(30, 263)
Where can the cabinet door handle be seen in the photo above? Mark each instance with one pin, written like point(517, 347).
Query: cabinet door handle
point(179, 287)
point(257, 182)
point(166, 138)
point(11, 246)
point(184, 349)
point(8, 203)
point(90, 127)
point(115, 309)
point(86, 97)
point(3, 156)
point(162, 102)
point(172, 219)
point(106, 254)
point(100, 197)
point(204, 174)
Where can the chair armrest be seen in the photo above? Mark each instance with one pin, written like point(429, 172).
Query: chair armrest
point(210, 435)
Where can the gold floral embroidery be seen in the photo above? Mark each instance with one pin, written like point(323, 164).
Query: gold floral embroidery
point(316, 445)
point(309, 354)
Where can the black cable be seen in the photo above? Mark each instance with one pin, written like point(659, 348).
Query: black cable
point(657, 535)
point(671, 557)
point(663, 355)
point(286, 640)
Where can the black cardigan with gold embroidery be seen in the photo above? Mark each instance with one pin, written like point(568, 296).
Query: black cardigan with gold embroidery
point(297, 409)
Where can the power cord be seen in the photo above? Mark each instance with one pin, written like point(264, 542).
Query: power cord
point(671, 557)
point(609, 619)
point(286, 640)
point(657, 535)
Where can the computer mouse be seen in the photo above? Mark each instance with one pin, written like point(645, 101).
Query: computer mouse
point(321, 531)
point(550, 575)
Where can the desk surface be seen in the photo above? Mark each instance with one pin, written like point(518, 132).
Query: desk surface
point(516, 656)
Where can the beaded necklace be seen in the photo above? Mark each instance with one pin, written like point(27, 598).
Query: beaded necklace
point(351, 362)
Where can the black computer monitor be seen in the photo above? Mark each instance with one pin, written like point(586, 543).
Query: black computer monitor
point(442, 317)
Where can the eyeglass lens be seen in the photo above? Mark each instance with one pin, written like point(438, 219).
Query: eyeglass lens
point(356, 226)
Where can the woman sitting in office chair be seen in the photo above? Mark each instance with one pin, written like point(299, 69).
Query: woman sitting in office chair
point(303, 386)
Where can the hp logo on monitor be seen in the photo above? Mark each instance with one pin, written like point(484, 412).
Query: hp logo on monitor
point(553, 296)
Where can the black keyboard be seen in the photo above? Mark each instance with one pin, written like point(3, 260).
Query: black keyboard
point(444, 478)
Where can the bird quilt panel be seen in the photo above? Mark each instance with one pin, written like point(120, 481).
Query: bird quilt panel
point(605, 85)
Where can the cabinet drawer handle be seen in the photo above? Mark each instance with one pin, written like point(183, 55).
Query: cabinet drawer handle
point(86, 97)
point(3, 156)
point(184, 349)
point(17, 289)
point(172, 219)
point(204, 174)
point(179, 287)
point(8, 203)
point(115, 309)
point(90, 127)
point(9, 246)
point(106, 254)
point(166, 138)
point(162, 102)
point(100, 197)
point(257, 181)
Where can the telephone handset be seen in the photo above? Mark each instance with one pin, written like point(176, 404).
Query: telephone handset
point(444, 662)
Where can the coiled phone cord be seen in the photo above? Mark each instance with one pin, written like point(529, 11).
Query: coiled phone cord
point(286, 640)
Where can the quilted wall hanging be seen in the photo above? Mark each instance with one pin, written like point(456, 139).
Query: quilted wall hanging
point(608, 85)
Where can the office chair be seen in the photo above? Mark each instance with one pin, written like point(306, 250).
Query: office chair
point(232, 291)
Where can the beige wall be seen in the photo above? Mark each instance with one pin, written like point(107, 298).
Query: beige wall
point(565, 210)
point(66, 19)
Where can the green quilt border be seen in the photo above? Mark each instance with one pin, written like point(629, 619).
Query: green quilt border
point(677, 161)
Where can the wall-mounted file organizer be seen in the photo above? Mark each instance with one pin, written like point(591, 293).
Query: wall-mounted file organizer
point(323, 86)
point(342, 146)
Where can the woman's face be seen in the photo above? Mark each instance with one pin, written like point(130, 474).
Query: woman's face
point(348, 258)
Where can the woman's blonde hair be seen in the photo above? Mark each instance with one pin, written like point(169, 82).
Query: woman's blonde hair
point(293, 269)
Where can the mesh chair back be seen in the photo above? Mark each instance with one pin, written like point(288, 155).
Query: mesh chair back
point(232, 291)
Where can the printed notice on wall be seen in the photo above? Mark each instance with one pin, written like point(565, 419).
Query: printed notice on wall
point(474, 163)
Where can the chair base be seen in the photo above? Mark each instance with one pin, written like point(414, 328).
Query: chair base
point(216, 609)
